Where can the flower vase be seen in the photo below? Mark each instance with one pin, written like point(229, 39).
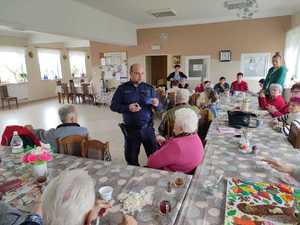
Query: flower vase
point(39, 169)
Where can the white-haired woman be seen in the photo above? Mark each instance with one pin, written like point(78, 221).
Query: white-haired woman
point(275, 103)
point(184, 152)
point(70, 199)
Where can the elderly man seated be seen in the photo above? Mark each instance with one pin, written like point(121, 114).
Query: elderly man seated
point(68, 127)
point(166, 126)
point(184, 152)
point(69, 199)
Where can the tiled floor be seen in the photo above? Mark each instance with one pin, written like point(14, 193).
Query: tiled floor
point(101, 122)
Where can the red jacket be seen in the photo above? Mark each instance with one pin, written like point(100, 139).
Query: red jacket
point(278, 102)
point(22, 131)
point(242, 86)
point(199, 88)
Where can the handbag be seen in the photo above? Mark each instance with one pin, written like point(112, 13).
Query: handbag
point(294, 134)
point(239, 119)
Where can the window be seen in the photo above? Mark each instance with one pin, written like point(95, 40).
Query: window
point(292, 56)
point(77, 63)
point(12, 65)
point(50, 66)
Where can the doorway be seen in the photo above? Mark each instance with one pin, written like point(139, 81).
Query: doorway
point(156, 69)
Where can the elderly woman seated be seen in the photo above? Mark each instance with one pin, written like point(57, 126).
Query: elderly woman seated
point(68, 127)
point(70, 199)
point(275, 103)
point(166, 126)
point(282, 123)
point(207, 99)
point(184, 152)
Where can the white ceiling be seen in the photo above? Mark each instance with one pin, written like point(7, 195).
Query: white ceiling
point(188, 11)
point(34, 37)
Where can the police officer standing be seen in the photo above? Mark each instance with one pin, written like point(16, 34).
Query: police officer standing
point(135, 100)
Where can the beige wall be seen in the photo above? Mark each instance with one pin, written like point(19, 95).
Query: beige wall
point(97, 49)
point(252, 36)
point(248, 36)
point(296, 20)
point(37, 88)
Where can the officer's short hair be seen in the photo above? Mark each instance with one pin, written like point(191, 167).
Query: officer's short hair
point(131, 68)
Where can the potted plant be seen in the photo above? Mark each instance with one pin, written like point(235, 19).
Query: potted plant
point(38, 158)
point(23, 76)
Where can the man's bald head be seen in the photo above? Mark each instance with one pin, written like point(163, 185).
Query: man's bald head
point(136, 73)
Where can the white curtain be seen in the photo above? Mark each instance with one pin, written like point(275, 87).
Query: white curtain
point(50, 65)
point(12, 65)
point(77, 63)
point(292, 56)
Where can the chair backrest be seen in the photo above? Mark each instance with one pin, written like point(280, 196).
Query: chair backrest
point(3, 91)
point(58, 82)
point(72, 145)
point(172, 98)
point(85, 89)
point(94, 149)
point(72, 87)
point(65, 88)
point(193, 99)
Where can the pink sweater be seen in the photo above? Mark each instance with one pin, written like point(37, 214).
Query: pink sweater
point(182, 154)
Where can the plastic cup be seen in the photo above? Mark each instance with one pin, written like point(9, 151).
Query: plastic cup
point(106, 193)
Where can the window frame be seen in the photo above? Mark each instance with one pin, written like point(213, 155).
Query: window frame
point(60, 69)
point(18, 50)
point(84, 54)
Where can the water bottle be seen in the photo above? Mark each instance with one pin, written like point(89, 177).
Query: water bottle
point(16, 143)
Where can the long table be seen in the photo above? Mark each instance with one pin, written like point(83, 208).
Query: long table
point(205, 205)
point(195, 203)
point(123, 179)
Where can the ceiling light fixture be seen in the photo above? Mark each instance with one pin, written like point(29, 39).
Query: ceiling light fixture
point(159, 13)
point(245, 8)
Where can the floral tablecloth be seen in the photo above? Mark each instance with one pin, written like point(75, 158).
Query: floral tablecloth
point(205, 201)
point(123, 179)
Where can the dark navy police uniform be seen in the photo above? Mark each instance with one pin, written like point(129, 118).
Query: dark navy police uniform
point(138, 126)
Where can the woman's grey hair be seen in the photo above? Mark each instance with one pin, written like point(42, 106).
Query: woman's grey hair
point(276, 86)
point(182, 96)
point(68, 198)
point(65, 111)
point(187, 120)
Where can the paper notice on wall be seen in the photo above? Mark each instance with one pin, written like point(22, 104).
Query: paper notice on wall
point(197, 67)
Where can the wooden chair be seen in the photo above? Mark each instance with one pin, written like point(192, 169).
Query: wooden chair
point(193, 99)
point(58, 86)
point(94, 149)
point(72, 145)
point(171, 99)
point(73, 94)
point(65, 92)
point(86, 94)
point(6, 98)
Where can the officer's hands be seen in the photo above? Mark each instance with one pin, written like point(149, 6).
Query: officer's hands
point(155, 102)
point(134, 107)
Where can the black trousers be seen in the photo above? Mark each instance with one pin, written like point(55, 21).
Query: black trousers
point(133, 140)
